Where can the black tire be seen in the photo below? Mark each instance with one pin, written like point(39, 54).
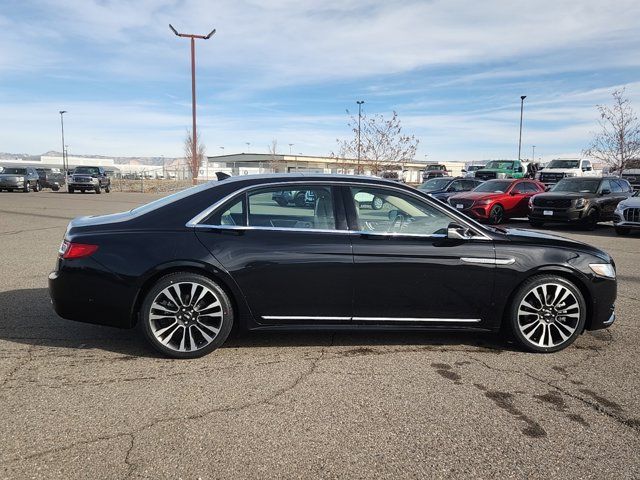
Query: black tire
point(155, 293)
point(535, 343)
point(377, 203)
point(622, 230)
point(71, 190)
point(591, 219)
point(27, 187)
point(98, 190)
point(496, 215)
point(55, 188)
point(536, 223)
point(298, 200)
point(107, 189)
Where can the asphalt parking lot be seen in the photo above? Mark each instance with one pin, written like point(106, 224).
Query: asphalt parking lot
point(83, 401)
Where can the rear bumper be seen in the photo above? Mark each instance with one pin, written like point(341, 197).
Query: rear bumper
point(86, 292)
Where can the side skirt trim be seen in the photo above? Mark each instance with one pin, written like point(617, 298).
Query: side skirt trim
point(374, 319)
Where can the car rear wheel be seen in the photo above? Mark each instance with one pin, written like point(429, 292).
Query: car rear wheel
point(186, 315)
point(622, 230)
point(98, 190)
point(281, 201)
point(27, 187)
point(496, 215)
point(107, 189)
point(547, 313)
point(37, 187)
point(298, 201)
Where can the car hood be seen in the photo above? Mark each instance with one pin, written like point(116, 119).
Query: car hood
point(562, 195)
point(477, 195)
point(632, 202)
point(546, 239)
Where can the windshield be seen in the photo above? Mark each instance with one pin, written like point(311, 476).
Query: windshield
point(161, 202)
point(577, 185)
point(473, 168)
point(493, 186)
point(500, 165)
point(564, 164)
point(435, 184)
point(15, 171)
point(87, 170)
point(435, 167)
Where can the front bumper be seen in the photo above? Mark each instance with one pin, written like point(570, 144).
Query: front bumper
point(620, 221)
point(557, 214)
point(11, 184)
point(84, 185)
point(603, 292)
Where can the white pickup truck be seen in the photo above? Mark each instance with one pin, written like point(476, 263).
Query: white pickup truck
point(560, 168)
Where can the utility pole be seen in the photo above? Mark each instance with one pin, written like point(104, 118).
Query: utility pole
point(248, 144)
point(359, 102)
point(64, 168)
point(290, 145)
point(522, 97)
point(194, 137)
point(533, 153)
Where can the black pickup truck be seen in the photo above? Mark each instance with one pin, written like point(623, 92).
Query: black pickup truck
point(50, 178)
point(89, 178)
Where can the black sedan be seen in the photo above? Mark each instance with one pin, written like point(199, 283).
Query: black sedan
point(444, 187)
point(191, 265)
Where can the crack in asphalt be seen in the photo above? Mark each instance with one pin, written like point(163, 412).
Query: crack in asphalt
point(21, 364)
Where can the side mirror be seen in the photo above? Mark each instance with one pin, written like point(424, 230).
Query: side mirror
point(457, 232)
point(519, 169)
point(606, 191)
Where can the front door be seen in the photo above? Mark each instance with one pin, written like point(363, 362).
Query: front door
point(292, 260)
point(407, 271)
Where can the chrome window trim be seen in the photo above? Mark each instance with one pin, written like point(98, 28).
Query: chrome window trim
point(374, 319)
point(195, 221)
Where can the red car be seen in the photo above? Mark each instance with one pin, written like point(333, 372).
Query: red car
point(496, 200)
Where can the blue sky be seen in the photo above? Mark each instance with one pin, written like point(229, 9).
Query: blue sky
point(287, 70)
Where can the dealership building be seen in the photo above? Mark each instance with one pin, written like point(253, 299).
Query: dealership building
point(252, 163)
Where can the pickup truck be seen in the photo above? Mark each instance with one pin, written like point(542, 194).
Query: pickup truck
point(632, 173)
point(561, 168)
point(501, 169)
point(50, 178)
point(89, 178)
point(435, 170)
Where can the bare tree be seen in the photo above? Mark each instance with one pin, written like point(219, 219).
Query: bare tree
point(273, 152)
point(618, 141)
point(382, 144)
point(193, 156)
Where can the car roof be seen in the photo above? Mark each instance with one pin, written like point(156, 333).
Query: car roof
point(297, 177)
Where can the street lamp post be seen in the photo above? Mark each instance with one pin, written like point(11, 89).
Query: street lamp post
point(359, 102)
point(290, 145)
point(248, 144)
point(522, 97)
point(64, 168)
point(533, 153)
point(194, 136)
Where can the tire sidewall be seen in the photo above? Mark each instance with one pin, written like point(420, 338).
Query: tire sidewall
point(523, 291)
point(179, 277)
point(497, 208)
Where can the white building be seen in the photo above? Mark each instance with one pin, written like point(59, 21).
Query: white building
point(252, 163)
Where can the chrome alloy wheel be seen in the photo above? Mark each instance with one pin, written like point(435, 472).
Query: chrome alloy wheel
point(548, 315)
point(186, 316)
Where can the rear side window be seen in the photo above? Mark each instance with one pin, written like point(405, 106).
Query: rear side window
point(615, 186)
point(299, 207)
point(231, 214)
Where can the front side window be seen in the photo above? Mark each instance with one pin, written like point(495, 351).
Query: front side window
point(387, 211)
point(299, 207)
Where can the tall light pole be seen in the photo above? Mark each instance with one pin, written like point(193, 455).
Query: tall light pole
point(522, 97)
point(194, 136)
point(290, 145)
point(359, 102)
point(533, 153)
point(64, 169)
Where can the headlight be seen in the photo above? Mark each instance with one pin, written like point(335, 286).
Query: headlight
point(21, 179)
point(620, 207)
point(571, 174)
point(603, 270)
point(483, 202)
point(581, 202)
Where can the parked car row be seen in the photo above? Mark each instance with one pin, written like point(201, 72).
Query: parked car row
point(25, 179)
point(34, 179)
point(577, 200)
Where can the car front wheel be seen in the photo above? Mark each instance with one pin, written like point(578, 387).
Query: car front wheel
point(186, 315)
point(547, 313)
point(496, 215)
point(27, 187)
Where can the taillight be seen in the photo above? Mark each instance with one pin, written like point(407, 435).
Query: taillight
point(70, 250)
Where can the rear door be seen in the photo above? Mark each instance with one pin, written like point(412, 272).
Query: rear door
point(407, 272)
point(293, 263)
